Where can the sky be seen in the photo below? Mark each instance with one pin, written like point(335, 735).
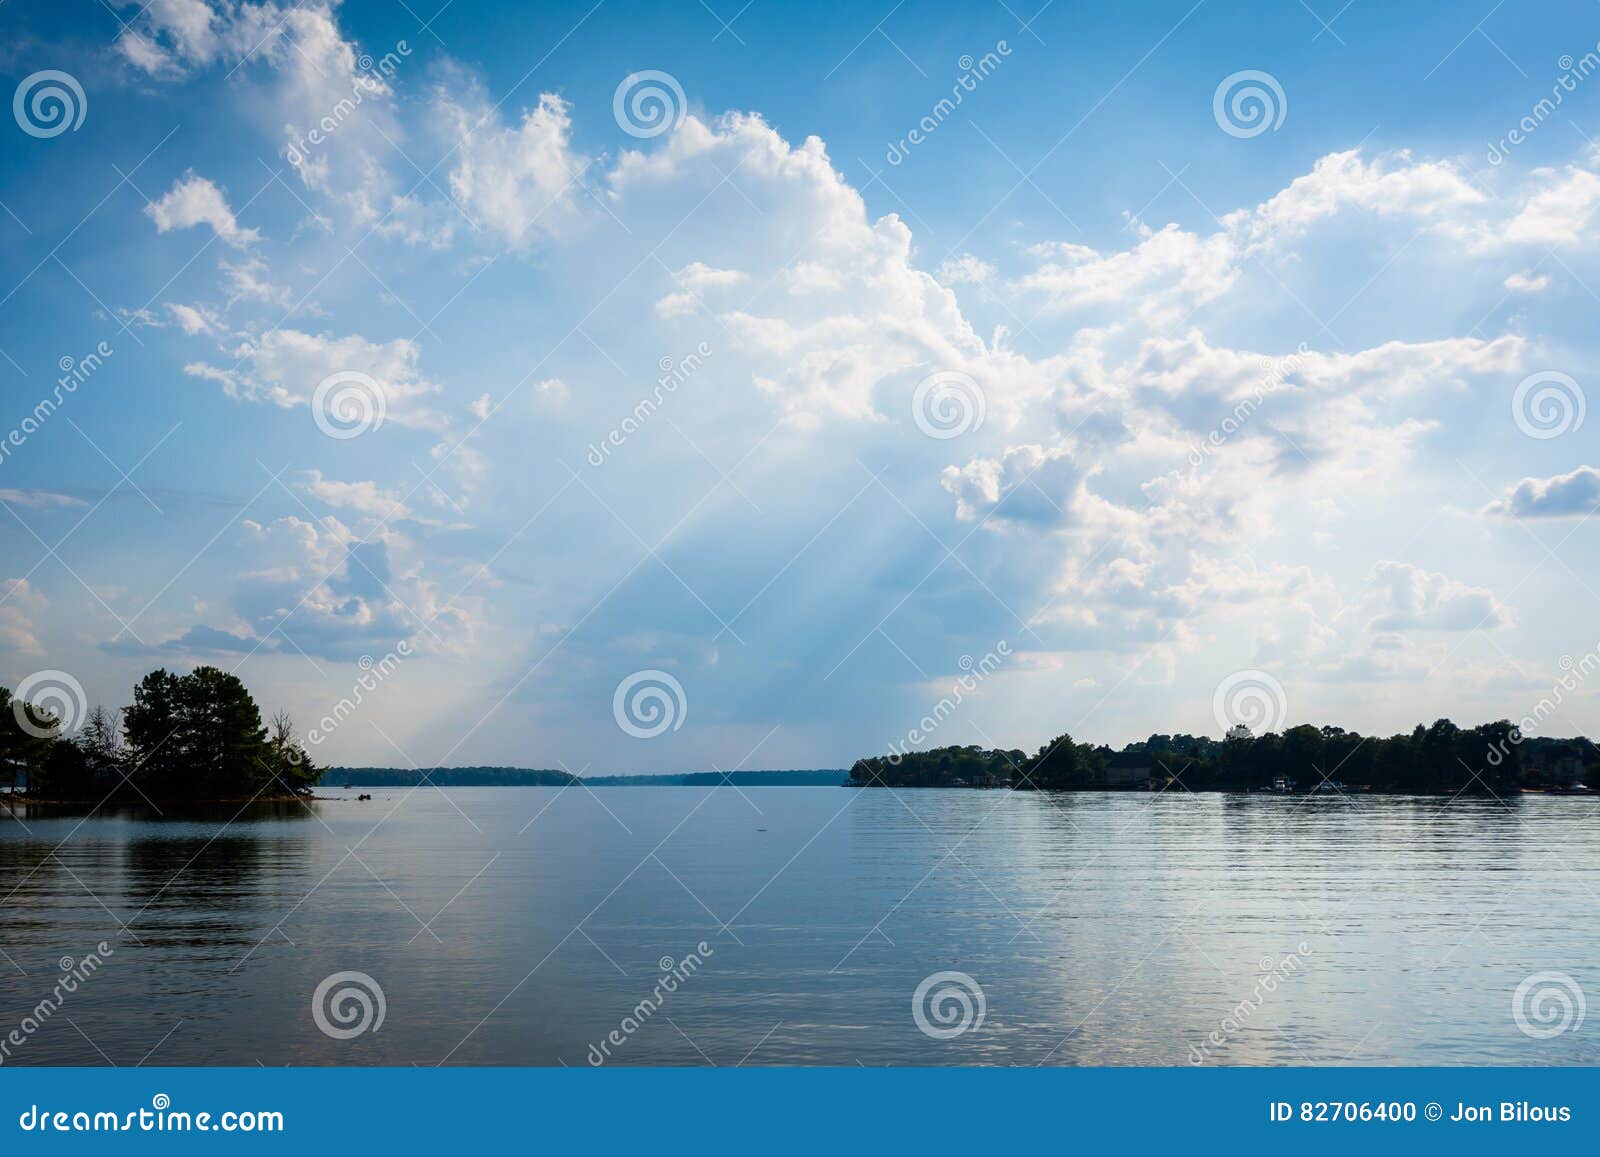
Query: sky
point(628, 387)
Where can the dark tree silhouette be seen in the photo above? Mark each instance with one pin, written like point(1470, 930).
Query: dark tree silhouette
point(185, 737)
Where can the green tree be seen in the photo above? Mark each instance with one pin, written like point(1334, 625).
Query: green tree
point(200, 736)
point(1061, 763)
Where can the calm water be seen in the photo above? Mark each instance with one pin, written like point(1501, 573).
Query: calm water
point(522, 925)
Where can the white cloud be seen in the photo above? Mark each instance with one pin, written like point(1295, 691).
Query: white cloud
point(249, 280)
point(1386, 186)
point(1556, 215)
point(365, 497)
point(519, 180)
point(1168, 273)
point(966, 270)
point(1564, 496)
point(1527, 282)
point(39, 499)
point(194, 200)
point(167, 38)
point(1171, 272)
point(193, 319)
point(697, 275)
point(19, 602)
point(329, 592)
point(1410, 598)
point(693, 281)
point(285, 366)
point(1032, 484)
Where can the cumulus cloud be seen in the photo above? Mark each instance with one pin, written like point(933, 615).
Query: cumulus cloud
point(328, 592)
point(844, 318)
point(285, 366)
point(1392, 185)
point(193, 319)
point(363, 497)
point(1410, 598)
point(1567, 495)
point(250, 280)
point(1557, 215)
point(1168, 273)
point(693, 280)
point(1026, 484)
point(194, 200)
point(168, 38)
point(1171, 271)
point(516, 179)
point(333, 107)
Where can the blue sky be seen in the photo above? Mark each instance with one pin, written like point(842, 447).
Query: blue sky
point(1175, 420)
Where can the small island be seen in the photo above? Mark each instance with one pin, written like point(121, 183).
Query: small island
point(195, 738)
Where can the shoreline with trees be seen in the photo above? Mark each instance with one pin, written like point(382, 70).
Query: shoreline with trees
point(1438, 759)
point(185, 739)
point(200, 739)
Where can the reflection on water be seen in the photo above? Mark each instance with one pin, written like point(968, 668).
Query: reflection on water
point(526, 925)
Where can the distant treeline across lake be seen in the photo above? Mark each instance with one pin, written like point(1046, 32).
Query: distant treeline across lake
point(1438, 759)
point(529, 777)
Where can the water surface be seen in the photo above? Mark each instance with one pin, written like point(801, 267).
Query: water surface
point(524, 925)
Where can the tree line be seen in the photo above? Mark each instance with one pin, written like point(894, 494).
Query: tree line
point(448, 777)
point(198, 736)
point(1440, 758)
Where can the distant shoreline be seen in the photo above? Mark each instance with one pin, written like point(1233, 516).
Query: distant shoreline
point(545, 777)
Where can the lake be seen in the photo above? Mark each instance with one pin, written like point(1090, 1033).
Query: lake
point(524, 926)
